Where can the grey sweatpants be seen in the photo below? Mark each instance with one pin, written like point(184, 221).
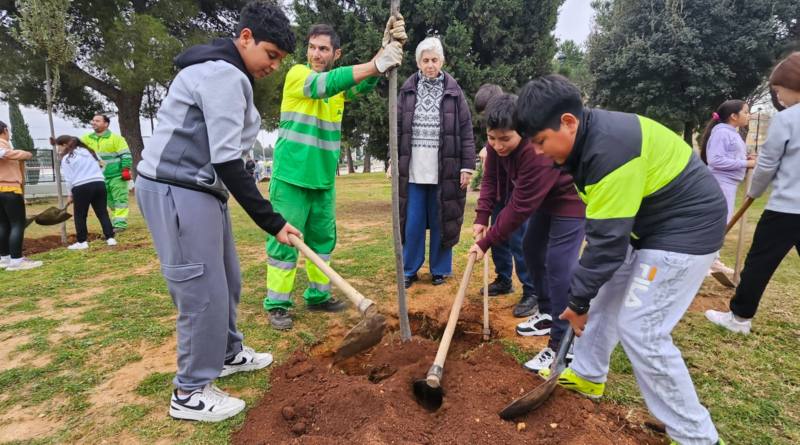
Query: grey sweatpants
point(192, 234)
point(639, 307)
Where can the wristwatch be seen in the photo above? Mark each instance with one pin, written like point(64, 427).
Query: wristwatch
point(578, 307)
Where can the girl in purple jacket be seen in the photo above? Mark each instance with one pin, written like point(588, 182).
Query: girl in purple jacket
point(725, 152)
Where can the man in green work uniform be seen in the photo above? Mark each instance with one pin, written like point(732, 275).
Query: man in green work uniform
point(114, 152)
point(307, 157)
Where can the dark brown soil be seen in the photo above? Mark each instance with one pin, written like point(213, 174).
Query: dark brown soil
point(368, 400)
point(31, 246)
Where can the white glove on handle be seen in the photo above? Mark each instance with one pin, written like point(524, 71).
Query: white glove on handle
point(395, 30)
point(389, 57)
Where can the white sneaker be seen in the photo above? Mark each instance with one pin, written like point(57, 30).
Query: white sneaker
point(111, 242)
point(729, 322)
point(5, 262)
point(209, 404)
point(541, 360)
point(246, 360)
point(544, 359)
point(23, 264)
point(79, 246)
point(536, 325)
point(719, 266)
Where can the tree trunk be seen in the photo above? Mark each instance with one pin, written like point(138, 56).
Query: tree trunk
point(129, 105)
point(402, 306)
point(349, 155)
point(688, 131)
point(48, 87)
point(367, 162)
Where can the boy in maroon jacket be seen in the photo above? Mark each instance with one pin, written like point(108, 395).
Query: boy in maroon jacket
point(534, 190)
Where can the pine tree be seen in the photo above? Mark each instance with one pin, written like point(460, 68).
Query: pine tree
point(20, 135)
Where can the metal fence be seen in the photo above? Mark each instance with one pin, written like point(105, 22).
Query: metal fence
point(757, 134)
point(39, 169)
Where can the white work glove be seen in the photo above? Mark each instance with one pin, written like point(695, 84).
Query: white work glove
point(395, 30)
point(389, 57)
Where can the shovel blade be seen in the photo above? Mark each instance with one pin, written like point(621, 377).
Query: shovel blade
point(366, 334)
point(531, 400)
point(427, 396)
point(723, 279)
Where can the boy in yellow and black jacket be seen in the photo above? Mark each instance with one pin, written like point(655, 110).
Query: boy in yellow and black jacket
point(654, 219)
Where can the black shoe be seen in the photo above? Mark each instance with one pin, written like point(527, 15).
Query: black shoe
point(500, 286)
point(280, 319)
point(329, 305)
point(437, 280)
point(410, 280)
point(526, 307)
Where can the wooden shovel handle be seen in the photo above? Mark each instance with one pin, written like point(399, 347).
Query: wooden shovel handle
point(444, 345)
point(487, 332)
point(738, 215)
point(364, 305)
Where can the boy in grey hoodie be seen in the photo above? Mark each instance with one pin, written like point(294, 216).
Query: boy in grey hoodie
point(188, 168)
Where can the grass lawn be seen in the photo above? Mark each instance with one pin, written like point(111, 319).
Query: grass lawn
point(87, 341)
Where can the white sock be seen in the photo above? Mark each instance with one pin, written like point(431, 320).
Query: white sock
point(16, 261)
point(740, 319)
point(5, 257)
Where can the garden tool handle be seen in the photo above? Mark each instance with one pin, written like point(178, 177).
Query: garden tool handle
point(738, 215)
point(435, 373)
point(364, 305)
point(487, 332)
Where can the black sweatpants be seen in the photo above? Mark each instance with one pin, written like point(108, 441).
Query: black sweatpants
point(775, 235)
point(12, 224)
point(94, 194)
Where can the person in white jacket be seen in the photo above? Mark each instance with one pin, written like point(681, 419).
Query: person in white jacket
point(778, 228)
point(80, 168)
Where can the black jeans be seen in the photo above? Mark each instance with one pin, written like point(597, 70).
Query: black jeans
point(12, 224)
point(94, 194)
point(775, 235)
point(551, 248)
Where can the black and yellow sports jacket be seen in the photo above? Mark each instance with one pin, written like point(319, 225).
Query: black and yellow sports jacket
point(643, 186)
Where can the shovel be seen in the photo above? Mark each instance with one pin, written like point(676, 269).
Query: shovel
point(428, 391)
point(537, 396)
point(719, 276)
point(51, 216)
point(369, 331)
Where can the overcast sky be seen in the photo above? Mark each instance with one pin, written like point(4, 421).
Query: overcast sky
point(574, 23)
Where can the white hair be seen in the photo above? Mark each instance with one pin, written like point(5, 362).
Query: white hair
point(430, 44)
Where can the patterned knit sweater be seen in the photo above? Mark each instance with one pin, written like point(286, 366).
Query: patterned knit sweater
point(425, 127)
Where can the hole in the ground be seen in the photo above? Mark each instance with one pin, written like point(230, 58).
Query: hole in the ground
point(467, 336)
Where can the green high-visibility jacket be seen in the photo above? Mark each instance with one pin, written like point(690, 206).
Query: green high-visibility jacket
point(310, 133)
point(112, 150)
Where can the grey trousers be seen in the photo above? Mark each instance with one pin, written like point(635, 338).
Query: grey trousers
point(192, 234)
point(639, 307)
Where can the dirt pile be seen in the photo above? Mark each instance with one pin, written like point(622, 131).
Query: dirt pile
point(32, 246)
point(368, 400)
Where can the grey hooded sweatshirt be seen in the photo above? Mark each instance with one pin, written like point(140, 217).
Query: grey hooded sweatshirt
point(205, 124)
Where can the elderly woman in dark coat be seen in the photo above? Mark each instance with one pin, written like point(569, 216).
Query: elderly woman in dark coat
point(436, 162)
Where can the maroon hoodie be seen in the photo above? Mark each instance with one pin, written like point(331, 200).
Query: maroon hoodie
point(526, 183)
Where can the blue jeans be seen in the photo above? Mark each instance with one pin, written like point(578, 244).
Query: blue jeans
point(422, 212)
point(551, 250)
point(509, 253)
